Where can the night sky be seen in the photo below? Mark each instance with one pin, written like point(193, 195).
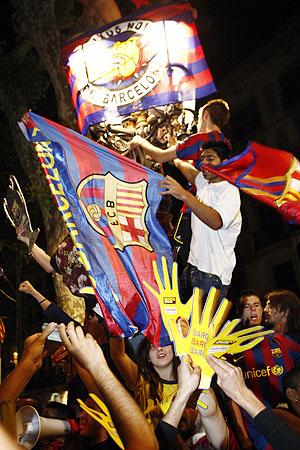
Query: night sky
point(239, 27)
point(236, 27)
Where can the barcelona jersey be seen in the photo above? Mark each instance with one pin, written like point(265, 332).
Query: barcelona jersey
point(263, 368)
point(265, 365)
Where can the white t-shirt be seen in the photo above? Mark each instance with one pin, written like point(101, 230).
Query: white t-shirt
point(212, 251)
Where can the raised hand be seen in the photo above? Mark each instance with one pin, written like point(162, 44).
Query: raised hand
point(229, 377)
point(188, 376)
point(203, 338)
point(26, 287)
point(34, 346)
point(84, 349)
point(172, 188)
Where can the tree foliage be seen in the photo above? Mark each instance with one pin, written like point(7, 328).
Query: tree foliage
point(32, 77)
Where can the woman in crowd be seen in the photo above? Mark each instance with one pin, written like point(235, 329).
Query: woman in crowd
point(153, 380)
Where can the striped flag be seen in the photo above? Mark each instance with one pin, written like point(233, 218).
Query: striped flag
point(109, 204)
point(268, 174)
point(150, 58)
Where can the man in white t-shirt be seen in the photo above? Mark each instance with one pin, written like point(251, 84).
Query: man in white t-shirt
point(216, 219)
point(216, 223)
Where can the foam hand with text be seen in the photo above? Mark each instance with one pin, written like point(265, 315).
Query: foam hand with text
point(168, 295)
point(203, 337)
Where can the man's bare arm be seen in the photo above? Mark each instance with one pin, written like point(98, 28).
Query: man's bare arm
point(205, 213)
point(187, 169)
point(29, 364)
point(156, 153)
point(128, 419)
point(213, 420)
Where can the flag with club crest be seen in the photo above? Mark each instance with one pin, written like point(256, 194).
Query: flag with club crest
point(109, 204)
point(150, 58)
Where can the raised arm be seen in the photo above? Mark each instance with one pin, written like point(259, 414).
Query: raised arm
point(213, 420)
point(205, 213)
point(52, 312)
point(126, 367)
point(6, 441)
point(156, 153)
point(128, 419)
point(188, 382)
point(29, 364)
point(27, 288)
point(39, 255)
point(230, 379)
point(275, 430)
point(188, 170)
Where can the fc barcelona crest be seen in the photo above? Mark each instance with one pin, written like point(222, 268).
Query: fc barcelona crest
point(134, 63)
point(116, 209)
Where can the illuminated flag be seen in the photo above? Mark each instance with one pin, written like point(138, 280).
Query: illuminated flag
point(150, 58)
point(268, 174)
point(109, 204)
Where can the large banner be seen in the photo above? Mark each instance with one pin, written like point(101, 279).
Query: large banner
point(109, 204)
point(268, 174)
point(151, 58)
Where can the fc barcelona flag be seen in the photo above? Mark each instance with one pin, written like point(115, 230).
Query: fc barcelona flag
point(270, 175)
point(150, 58)
point(109, 204)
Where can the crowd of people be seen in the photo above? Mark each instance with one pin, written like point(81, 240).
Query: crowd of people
point(151, 396)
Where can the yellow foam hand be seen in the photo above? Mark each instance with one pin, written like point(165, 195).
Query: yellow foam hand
point(219, 316)
point(227, 342)
point(168, 295)
point(103, 417)
point(204, 337)
point(202, 324)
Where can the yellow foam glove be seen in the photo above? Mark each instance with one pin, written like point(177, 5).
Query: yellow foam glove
point(103, 417)
point(168, 295)
point(203, 336)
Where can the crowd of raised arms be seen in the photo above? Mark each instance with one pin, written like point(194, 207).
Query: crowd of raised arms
point(151, 394)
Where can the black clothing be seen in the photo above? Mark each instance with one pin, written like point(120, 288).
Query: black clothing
point(166, 436)
point(276, 431)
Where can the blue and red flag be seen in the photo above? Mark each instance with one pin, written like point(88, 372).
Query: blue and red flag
point(268, 174)
point(150, 58)
point(109, 204)
point(190, 149)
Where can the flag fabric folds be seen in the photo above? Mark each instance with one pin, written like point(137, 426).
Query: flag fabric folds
point(150, 58)
point(109, 204)
point(268, 174)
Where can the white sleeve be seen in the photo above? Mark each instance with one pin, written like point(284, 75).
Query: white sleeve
point(228, 205)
